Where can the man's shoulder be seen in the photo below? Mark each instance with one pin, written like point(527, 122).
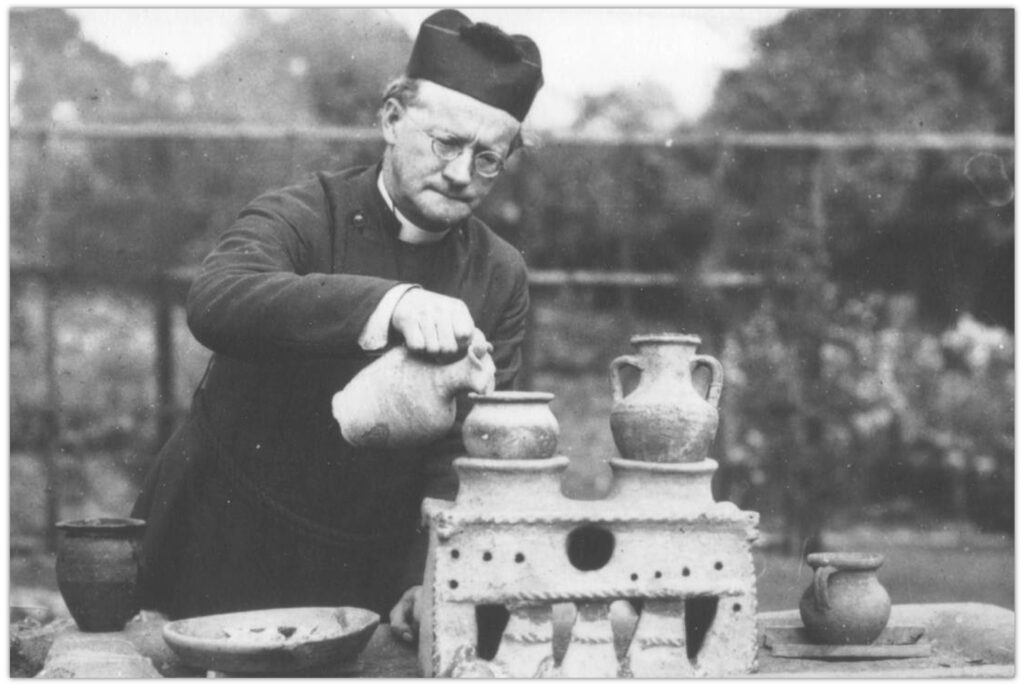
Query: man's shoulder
point(344, 177)
point(317, 183)
point(315, 194)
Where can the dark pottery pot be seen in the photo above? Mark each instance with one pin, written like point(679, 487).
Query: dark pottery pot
point(98, 571)
point(845, 603)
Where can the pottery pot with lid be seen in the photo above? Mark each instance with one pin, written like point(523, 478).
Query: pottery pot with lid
point(845, 603)
point(511, 425)
point(665, 419)
point(98, 571)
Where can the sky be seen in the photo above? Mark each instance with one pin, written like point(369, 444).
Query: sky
point(585, 50)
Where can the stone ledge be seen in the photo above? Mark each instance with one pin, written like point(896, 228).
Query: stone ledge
point(76, 654)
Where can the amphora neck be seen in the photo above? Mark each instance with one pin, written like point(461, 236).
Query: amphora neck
point(667, 354)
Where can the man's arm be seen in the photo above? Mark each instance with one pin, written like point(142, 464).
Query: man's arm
point(266, 292)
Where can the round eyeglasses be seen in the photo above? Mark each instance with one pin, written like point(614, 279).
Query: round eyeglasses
point(486, 163)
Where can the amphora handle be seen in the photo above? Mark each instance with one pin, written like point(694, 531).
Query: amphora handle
point(821, 576)
point(717, 376)
point(613, 369)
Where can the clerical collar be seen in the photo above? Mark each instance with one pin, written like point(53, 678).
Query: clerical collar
point(409, 232)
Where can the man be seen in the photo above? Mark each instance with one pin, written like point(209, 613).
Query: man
point(257, 501)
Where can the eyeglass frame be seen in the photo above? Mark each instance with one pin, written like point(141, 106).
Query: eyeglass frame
point(452, 155)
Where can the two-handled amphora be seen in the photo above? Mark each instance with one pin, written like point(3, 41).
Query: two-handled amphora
point(665, 419)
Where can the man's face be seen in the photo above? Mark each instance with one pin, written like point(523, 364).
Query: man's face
point(431, 192)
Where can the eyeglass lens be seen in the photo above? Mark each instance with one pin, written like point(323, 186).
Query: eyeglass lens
point(486, 163)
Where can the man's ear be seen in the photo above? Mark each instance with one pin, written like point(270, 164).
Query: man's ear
point(391, 114)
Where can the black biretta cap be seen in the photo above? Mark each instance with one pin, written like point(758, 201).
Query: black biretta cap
point(479, 60)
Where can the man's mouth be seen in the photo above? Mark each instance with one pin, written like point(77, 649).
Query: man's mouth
point(453, 197)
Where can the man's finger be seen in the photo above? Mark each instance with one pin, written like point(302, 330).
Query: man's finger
point(462, 325)
point(414, 338)
point(404, 616)
point(430, 343)
point(446, 340)
point(399, 621)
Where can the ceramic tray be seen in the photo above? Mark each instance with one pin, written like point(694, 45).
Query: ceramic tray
point(894, 642)
point(277, 641)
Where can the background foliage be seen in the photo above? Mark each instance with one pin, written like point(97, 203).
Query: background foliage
point(873, 376)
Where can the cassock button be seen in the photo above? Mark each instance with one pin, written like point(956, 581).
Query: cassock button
point(359, 222)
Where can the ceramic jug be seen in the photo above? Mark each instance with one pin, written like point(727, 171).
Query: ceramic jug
point(511, 425)
point(845, 603)
point(665, 419)
point(404, 399)
point(98, 569)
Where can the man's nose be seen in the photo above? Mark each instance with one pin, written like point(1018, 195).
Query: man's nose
point(460, 170)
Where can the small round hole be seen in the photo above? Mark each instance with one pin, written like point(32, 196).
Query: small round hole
point(634, 577)
point(718, 565)
point(737, 608)
point(520, 558)
point(686, 572)
point(487, 555)
point(455, 553)
point(657, 574)
point(453, 584)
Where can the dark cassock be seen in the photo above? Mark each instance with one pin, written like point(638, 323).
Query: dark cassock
point(257, 501)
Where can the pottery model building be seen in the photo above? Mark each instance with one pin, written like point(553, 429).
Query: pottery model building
point(658, 539)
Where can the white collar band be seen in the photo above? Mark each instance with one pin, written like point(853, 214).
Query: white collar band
point(409, 232)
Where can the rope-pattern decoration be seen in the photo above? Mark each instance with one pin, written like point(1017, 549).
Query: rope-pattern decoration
point(655, 642)
point(528, 637)
point(594, 641)
point(700, 521)
point(609, 595)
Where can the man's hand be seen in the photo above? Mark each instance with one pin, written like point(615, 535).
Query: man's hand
point(405, 616)
point(432, 323)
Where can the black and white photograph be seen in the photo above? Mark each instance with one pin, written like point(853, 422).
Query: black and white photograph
point(511, 342)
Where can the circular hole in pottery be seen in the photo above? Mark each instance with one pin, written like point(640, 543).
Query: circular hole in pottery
point(737, 608)
point(718, 565)
point(455, 553)
point(686, 572)
point(453, 584)
point(634, 577)
point(590, 547)
point(520, 558)
point(657, 574)
point(487, 555)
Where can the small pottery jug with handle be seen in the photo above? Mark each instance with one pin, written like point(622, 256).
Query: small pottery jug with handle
point(845, 603)
point(665, 419)
point(98, 570)
point(403, 399)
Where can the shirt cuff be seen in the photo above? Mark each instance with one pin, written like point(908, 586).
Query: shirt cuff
point(375, 334)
